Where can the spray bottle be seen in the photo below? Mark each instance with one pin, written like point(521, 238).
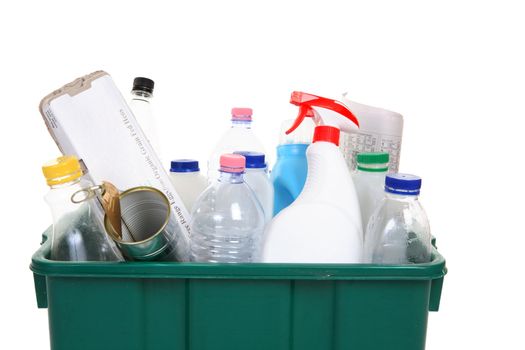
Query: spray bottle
point(323, 225)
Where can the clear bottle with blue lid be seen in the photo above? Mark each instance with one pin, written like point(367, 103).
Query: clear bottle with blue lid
point(398, 232)
point(256, 177)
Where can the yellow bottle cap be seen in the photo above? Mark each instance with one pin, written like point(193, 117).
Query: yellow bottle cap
point(61, 170)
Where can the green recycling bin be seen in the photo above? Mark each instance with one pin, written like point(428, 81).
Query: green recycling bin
point(196, 306)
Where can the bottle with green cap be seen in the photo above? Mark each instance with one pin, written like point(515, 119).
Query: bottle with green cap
point(369, 181)
point(78, 232)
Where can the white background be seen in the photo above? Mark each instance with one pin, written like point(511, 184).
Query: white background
point(454, 69)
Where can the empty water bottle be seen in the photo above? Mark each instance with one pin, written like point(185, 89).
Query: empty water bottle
point(227, 220)
point(257, 178)
point(78, 232)
point(239, 137)
point(398, 232)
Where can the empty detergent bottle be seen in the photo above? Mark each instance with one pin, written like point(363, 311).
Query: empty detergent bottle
point(289, 173)
point(227, 221)
point(256, 177)
point(323, 225)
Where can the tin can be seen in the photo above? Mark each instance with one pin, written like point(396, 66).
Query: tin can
point(149, 227)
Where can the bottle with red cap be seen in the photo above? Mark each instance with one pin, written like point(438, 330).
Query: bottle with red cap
point(227, 220)
point(239, 137)
point(323, 225)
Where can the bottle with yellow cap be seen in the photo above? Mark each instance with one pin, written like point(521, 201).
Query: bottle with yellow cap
point(78, 233)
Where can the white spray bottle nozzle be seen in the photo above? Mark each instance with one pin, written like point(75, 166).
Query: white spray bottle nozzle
point(325, 111)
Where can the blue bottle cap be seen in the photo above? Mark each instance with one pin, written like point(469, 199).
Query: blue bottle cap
point(404, 184)
point(254, 160)
point(184, 166)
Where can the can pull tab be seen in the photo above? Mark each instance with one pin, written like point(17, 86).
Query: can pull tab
point(109, 198)
point(307, 103)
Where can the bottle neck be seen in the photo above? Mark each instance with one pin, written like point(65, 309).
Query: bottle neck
point(234, 178)
point(242, 124)
point(141, 95)
point(372, 168)
point(66, 184)
point(401, 197)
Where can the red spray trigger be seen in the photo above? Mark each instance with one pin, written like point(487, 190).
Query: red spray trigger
point(306, 101)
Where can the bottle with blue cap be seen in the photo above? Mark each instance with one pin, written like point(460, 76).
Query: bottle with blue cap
point(188, 181)
point(256, 177)
point(398, 232)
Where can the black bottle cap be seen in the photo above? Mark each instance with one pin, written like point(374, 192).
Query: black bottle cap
point(143, 84)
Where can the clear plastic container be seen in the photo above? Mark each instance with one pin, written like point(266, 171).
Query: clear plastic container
point(140, 104)
point(379, 130)
point(188, 181)
point(240, 137)
point(398, 232)
point(227, 221)
point(256, 177)
point(369, 181)
point(78, 231)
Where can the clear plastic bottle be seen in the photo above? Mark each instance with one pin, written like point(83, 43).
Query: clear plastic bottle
point(256, 177)
point(239, 137)
point(398, 232)
point(227, 221)
point(188, 181)
point(369, 181)
point(78, 232)
point(140, 104)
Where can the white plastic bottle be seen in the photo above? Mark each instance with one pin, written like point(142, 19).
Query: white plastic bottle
point(380, 130)
point(369, 180)
point(323, 225)
point(398, 232)
point(257, 178)
point(227, 220)
point(240, 137)
point(140, 104)
point(188, 181)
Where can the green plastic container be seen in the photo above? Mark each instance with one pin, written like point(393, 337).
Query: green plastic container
point(167, 305)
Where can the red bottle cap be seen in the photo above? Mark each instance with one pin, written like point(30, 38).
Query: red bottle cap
point(327, 134)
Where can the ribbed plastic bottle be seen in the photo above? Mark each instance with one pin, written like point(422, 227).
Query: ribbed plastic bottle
point(227, 220)
point(256, 177)
point(239, 137)
point(78, 231)
point(323, 225)
point(188, 181)
point(140, 104)
point(380, 130)
point(289, 172)
point(369, 181)
point(398, 232)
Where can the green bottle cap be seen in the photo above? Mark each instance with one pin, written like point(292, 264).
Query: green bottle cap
point(372, 161)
